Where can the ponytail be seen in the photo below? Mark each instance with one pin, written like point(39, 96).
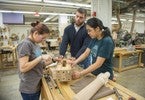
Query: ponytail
point(106, 32)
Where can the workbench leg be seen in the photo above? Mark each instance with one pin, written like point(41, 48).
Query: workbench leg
point(120, 63)
point(139, 61)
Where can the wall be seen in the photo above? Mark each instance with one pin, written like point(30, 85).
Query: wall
point(140, 27)
point(19, 30)
point(24, 30)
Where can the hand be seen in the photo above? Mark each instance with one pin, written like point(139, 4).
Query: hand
point(46, 57)
point(47, 62)
point(76, 75)
point(58, 58)
point(71, 60)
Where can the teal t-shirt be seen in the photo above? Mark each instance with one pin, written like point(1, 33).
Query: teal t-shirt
point(103, 48)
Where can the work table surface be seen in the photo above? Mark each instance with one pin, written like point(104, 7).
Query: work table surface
point(66, 93)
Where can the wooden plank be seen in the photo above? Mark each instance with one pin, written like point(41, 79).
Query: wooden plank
point(65, 90)
point(56, 94)
point(129, 67)
point(46, 94)
point(125, 68)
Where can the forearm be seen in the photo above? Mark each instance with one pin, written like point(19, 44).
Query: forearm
point(81, 51)
point(29, 65)
point(90, 69)
point(83, 56)
point(94, 66)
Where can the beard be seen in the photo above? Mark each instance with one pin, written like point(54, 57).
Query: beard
point(78, 23)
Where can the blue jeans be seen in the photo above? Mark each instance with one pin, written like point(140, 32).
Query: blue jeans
point(34, 96)
point(86, 63)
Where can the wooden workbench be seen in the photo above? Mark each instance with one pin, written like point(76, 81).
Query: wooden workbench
point(6, 56)
point(124, 59)
point(66, 93)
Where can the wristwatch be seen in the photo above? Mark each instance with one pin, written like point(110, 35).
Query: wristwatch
point(53, 60)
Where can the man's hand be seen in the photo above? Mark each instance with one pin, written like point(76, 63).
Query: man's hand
point(71, 60)
point(76, 75)
point(58, 58)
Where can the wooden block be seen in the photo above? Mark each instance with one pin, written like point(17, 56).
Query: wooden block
point(62, 72)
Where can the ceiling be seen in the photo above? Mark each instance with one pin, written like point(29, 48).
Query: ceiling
point(47, 10)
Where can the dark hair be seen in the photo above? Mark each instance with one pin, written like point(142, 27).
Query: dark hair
point(41, 28)
point(95, 22)
point(82, 11)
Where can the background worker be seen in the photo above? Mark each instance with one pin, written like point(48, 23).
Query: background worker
point(75, 35)
point(31, 62)
point(101, 48)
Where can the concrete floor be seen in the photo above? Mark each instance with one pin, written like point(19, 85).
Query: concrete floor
point(133, 79)
point(9, 84)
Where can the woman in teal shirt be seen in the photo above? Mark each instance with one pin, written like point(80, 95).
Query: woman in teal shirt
point(101, 48)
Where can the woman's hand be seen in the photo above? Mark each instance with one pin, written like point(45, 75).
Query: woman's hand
point(46, 57)
point(47, 62)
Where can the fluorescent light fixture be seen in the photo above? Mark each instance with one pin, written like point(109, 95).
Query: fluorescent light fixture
point(120, 19)
point(34, 0)
point(114, 22)
point(41, 13)
point(48, 18)
point(138, 21)
point(67, 3)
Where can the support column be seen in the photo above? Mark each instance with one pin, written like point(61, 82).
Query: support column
point(62, 23)
point(103, 10)
point(1, 19)
point(144, 27)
